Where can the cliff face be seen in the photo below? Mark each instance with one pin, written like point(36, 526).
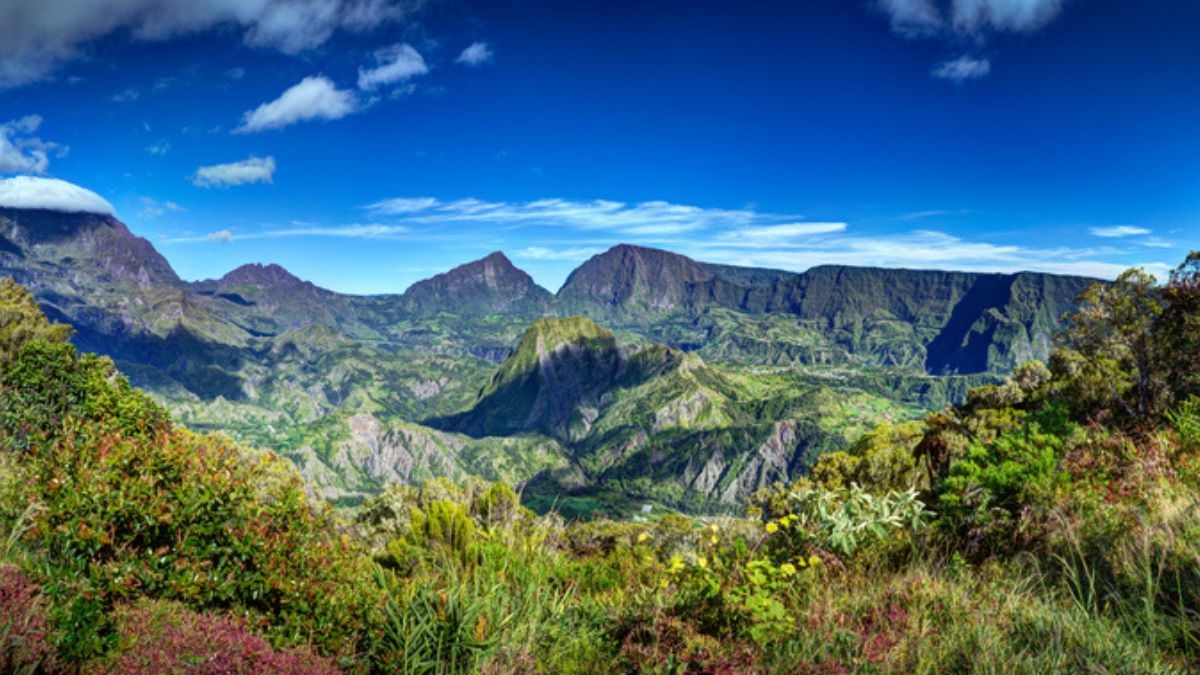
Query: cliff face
point(941, 322)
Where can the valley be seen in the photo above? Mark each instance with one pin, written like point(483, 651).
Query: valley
point(647, 378)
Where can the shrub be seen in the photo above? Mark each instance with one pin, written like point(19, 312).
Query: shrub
point(45, 384)
point(21, 320)
point(840, 520)
point(25, 641)
point(166, 637)
point(196, 519)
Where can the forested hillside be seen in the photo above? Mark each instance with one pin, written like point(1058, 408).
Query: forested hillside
point(746, 375)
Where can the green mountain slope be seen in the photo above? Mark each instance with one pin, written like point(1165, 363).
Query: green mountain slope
point(655, 423)
point(939, 322)
point(705, 365)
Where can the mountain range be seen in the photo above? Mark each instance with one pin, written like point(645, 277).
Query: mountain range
point(647, 377)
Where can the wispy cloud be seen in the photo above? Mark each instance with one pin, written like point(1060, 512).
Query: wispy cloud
point(571, 254)
point(398, 63)
point(775, 236)
point(21, 151)
point(564, 231)
point(152, 208)
point(967, 18)
point(746, 236)
point(921, 249)
point(401, 205)
point(1114, 231)
point(250, 170)
point(127, 95)
point(931, 213)
point(477, 54)
point(363, 231)
point(645, 218)
point(1156, 242)
point(37, 38)
point(313, 98)
point(159, 148)
point(961, 69)
point(966, 22)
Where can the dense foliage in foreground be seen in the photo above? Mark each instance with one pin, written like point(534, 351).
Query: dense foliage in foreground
point(1048, 524)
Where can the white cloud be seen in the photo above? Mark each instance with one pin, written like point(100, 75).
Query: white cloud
point(772, 236)
point(746, 236)
point(912, 18)
point(30, 192)
point(152, 208)
point(961, 69)
point(573, 254)
point(404, 205)
point(314, 97)
point(477, 54)
point(1113, 231)
point(1157, 242)
point(1017, 16)
point(968, 18)
point(395, 64)
point(159, 148)
point(931, 213)
point(363, 231)
point(251, 170)
point(20, 151)
point(959, 22)
point(129, 94)
point(920, 249)
point(654, 218)
point(38, 36)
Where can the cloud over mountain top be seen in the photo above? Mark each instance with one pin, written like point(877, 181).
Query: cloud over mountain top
point(32, 192)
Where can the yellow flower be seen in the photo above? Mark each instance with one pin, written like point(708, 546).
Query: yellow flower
point(788, 569)
point(713, 540)
point(643, 536)
point(702, 561)
point(814, 560)
point(772, 528)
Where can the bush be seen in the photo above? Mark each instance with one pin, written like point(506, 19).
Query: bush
point(195, 519)
point(166, 637)
point(841, 520)
point(25, 641)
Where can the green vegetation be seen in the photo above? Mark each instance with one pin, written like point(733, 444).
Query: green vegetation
point(1048, 523)
point(347, 388)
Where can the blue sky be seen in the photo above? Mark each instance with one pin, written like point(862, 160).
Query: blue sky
point(366, 144)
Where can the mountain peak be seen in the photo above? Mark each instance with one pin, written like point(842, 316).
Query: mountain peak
point(264, 276)
point(559, 370)
point(490, 285)
point(496, 258)
point(633, 275)
point(96, 242)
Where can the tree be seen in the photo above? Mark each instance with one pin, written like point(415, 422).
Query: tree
point(1112, 332)
point(1178, 329)
point(21, 320)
